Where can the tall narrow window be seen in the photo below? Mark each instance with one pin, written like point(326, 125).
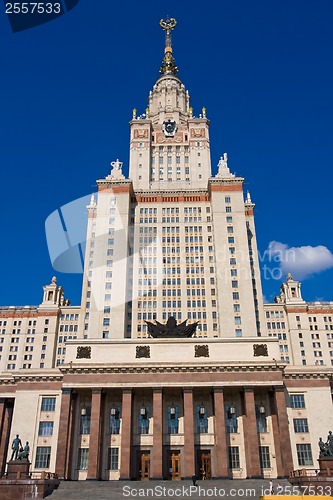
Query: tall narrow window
point(113, 459)
point(304, 454)
point(261, 418)
point(234, 457)
point(85, 420)
point(173, 419)
point(265, 461)
point(231, 418)
point(144, 420)
point(43, 454)
point(82, 461)
point(115, 420)
point(202, 419)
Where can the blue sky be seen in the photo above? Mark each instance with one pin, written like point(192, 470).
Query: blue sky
point(262, 69)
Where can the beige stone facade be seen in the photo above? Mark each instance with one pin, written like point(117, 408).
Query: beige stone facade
point(98, 398)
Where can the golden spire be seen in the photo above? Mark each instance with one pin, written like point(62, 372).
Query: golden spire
point(168, 63)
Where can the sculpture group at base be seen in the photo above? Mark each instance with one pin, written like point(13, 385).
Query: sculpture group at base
point(20, 453)
point(326, 449)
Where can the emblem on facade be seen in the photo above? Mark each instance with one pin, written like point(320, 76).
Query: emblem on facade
point(141, 134)
point(201, 351)
point(142, 351)
point(197, 132)
point(169, 128)
point(83, 352)
point(260, 350)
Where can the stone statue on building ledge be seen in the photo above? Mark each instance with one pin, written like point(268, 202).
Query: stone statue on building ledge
point(116, 172)
point(171, 329)
point(326, 449)
point(223, 169)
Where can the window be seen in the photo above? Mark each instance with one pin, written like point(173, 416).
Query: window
point(113, 459)
point(234, 457)
point(202, 420)
point(85, 420)
point(304, 454)
point(265, 461)
point(48, 404)
point(301, 425)
point(261, 419)
point(45, 429)
point(144, 420)
point(173, 419)
point(43, 454)
point(82, 461)
point(297, 400)
point(231, 419)
point(115, 420)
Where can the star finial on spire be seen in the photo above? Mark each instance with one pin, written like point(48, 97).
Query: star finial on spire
point(168, 63)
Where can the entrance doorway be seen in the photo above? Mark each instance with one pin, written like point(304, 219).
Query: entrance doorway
point(204, 464)
point(174, 465)
point(143, 466)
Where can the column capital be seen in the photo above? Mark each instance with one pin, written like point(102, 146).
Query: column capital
point(127, 391)
point(158, 389)
point(187, 389)
point(96, 391)
point(278, 388)
point(218, 389)
point(248, 388)
point(66, 390)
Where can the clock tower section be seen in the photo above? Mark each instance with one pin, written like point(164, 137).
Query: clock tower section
point(169, 146)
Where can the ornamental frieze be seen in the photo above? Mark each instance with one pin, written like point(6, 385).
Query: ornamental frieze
point(260, 350)
point(201, 351)
point(142, 351)
point(83, 352)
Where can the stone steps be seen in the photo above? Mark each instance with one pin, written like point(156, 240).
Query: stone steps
point(120, 490)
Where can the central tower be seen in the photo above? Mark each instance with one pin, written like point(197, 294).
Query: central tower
point(171, 240)
point(169, 146)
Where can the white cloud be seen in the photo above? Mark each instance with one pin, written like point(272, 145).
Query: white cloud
point(301, 262)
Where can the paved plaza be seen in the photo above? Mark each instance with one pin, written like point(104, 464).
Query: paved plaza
point(153, 490)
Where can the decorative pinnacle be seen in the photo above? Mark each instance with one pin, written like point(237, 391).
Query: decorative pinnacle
point(168, 63)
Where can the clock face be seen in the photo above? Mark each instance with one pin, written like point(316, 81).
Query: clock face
point(169, 128)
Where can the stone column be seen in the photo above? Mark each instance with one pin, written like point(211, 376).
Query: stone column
point(157, 462)
point(6, 412)
point(276, 435)
point(64, 444)
point(95, 435)
point(284, 435)
point(189, 460)
point(221, 449)
point(126, 435)
point(251, 435)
